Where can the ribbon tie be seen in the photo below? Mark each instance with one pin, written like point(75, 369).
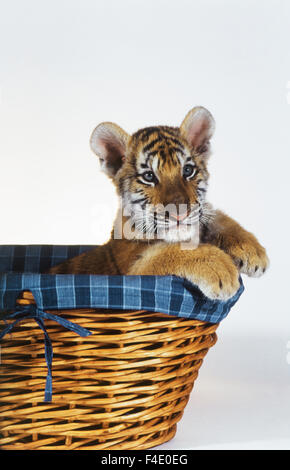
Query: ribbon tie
point(32, 311)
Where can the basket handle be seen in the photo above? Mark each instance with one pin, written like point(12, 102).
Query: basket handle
point(31, 310)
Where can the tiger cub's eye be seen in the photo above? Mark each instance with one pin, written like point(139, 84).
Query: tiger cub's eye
point(149, 176)
point(188, 170)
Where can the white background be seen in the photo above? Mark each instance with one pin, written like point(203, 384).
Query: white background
point(67, 65)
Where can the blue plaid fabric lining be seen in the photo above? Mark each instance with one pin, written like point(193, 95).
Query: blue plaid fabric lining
point(21, 267)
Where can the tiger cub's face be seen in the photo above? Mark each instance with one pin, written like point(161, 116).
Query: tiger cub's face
point(160, 174)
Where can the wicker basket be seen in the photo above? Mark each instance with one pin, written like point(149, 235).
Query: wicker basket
point(123, 387)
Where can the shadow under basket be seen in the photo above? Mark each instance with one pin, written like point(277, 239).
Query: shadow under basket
point(123, 387)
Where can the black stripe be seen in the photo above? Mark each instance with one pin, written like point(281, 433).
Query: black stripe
point(176, 298)
point(198, 172)
point(116, 292)
point(81, 290)
point(152, 154)
point(139, 200)
point(175, 149)
point(147, 292)
point(150, 145)
point(175, 141)
point(121, 184)
point(204, 232)
point(18, 259)
point(46, 252)
point(145, 133)
point(170, 130)
point(49, 292)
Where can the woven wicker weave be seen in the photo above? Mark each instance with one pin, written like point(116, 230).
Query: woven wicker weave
point(123, 387)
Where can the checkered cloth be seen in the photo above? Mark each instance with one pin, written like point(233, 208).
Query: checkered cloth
point(21, 267)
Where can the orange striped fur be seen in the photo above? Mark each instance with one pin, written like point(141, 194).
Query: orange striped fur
point(164, 165)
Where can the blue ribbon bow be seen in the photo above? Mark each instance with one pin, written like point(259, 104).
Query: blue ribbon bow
point(32, 311)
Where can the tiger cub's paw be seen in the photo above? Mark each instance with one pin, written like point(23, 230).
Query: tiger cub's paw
point(216, 276)
point(209, 268)
point(250, 258)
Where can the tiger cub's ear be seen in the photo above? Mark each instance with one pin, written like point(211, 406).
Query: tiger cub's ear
point(109, 142)
point(198, 127)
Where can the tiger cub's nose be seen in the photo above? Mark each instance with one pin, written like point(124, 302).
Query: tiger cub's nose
point(180, 217)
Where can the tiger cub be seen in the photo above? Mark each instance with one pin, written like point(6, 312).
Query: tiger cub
point(161, 177)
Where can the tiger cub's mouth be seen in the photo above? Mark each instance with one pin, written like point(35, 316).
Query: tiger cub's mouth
point(172, 223)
